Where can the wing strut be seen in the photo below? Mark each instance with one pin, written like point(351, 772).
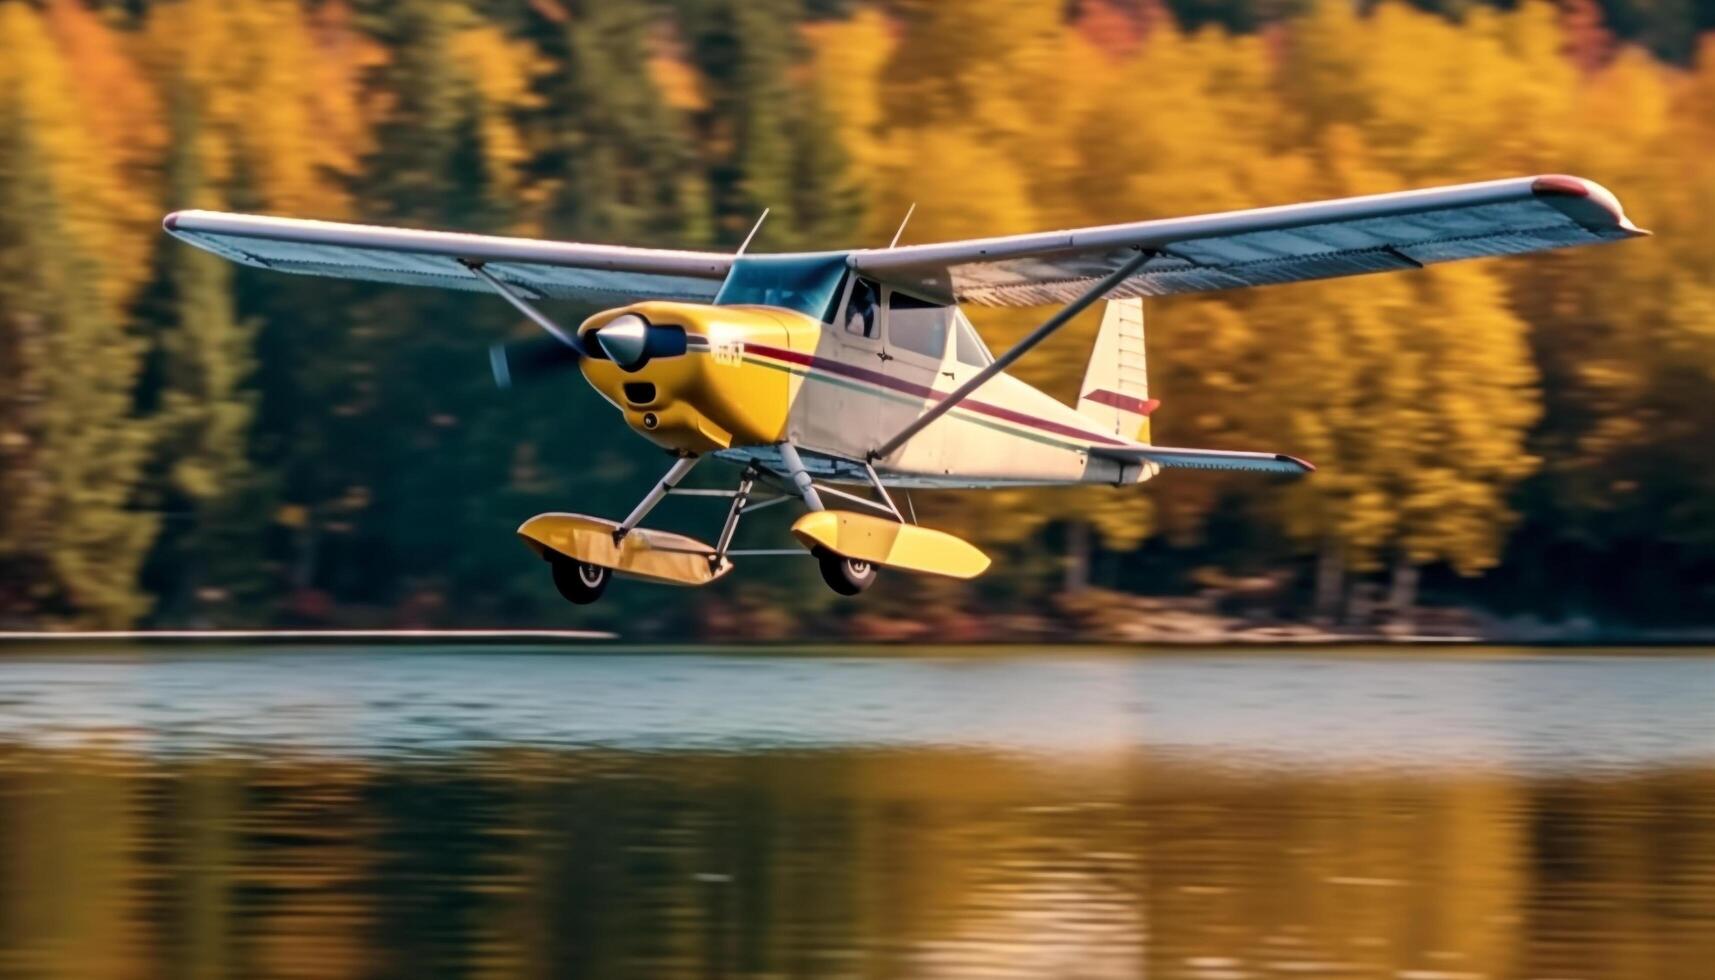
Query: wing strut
point(523, 306)
point(1018, 350)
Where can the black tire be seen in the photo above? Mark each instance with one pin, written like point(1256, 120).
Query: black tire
point(580, 582)
point(847, 576)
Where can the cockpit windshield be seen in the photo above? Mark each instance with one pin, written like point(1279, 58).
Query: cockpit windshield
point(809, 284)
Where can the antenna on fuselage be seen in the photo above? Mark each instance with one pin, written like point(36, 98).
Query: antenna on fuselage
point(753, 230)
point(902, 223)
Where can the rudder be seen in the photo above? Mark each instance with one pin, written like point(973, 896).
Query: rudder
point(1115, 392)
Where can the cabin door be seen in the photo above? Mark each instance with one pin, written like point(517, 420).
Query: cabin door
point(840, 397)
point(915, 348)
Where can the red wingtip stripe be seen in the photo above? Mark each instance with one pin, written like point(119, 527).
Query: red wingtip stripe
point(1562, 185)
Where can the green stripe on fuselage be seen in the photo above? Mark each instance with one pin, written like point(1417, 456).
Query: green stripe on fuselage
point(870, 388)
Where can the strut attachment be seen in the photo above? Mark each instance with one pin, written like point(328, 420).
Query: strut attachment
point(799, 476)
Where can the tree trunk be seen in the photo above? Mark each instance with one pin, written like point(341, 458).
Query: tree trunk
point(1330, 581)
point(308, 541)
point(1077, 556)
point(1402, 591)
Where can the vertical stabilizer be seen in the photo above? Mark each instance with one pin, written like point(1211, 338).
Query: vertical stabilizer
point(1115, 393)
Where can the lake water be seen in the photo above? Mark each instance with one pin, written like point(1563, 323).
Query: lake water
point(502, 812)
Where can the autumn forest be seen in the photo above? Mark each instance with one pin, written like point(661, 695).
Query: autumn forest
point(186, 443)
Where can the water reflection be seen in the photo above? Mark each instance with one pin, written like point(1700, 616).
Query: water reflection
point(128, 849)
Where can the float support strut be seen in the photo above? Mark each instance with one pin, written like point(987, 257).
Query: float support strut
point(799, 476)
point(680, 467)
point(740, 501)
point(881, 489)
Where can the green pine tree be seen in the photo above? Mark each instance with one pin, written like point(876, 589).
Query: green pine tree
point(197, 389)
point(769, 142)
point(612, 148)
point(71, 448)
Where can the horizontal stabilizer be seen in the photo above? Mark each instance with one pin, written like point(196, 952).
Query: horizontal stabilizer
point(1168, 457)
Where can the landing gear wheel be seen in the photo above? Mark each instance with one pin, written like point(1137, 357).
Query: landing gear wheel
point(847, 576)
point(579, 581)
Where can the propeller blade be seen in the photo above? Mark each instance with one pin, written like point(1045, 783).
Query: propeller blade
point(528, 360)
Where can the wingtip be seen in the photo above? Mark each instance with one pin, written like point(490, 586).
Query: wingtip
point(1578, 194)
point(1303, 465)
point(171, 221)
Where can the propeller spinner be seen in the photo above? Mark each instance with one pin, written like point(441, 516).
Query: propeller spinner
point(625, 340)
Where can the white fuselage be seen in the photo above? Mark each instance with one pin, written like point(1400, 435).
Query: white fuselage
point(856, 388)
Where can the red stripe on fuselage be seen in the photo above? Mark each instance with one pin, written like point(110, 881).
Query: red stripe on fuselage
point(923, 391)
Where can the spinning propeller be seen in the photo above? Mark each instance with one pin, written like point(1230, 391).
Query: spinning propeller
point(527, 360)
point(628, 340)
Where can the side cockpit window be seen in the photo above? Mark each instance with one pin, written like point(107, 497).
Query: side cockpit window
point(861, 309)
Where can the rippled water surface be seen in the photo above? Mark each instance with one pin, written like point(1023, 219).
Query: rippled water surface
point(471, 812)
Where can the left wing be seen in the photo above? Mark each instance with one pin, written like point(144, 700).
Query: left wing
point(1348, 236)
point(403, 256)
point(1169, 457)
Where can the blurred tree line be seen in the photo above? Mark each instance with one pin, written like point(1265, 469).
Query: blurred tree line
point(183, 442)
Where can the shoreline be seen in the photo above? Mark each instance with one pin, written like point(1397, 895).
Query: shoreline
point(1307, 641)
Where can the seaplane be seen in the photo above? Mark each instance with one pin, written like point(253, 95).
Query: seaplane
point(839, 379)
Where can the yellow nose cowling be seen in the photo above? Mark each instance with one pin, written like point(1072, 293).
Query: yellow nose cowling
point(713, 396)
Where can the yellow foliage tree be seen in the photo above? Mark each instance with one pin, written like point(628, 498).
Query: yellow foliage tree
point(70, 447)
point(499, 71)
point(1414, 394)
point(275, 87)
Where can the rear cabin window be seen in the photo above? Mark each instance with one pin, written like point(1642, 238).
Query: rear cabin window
point(969, 347)
point(918, 325)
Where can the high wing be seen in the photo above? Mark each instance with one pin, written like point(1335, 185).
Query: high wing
point(1169, 457)
point(1343, 237)
point(538, 269)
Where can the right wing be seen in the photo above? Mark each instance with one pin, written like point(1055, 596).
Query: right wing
point(1258, 247)
point(1169, 457)
point(538, 269)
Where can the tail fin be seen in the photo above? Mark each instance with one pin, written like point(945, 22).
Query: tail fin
point(1115, 393)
